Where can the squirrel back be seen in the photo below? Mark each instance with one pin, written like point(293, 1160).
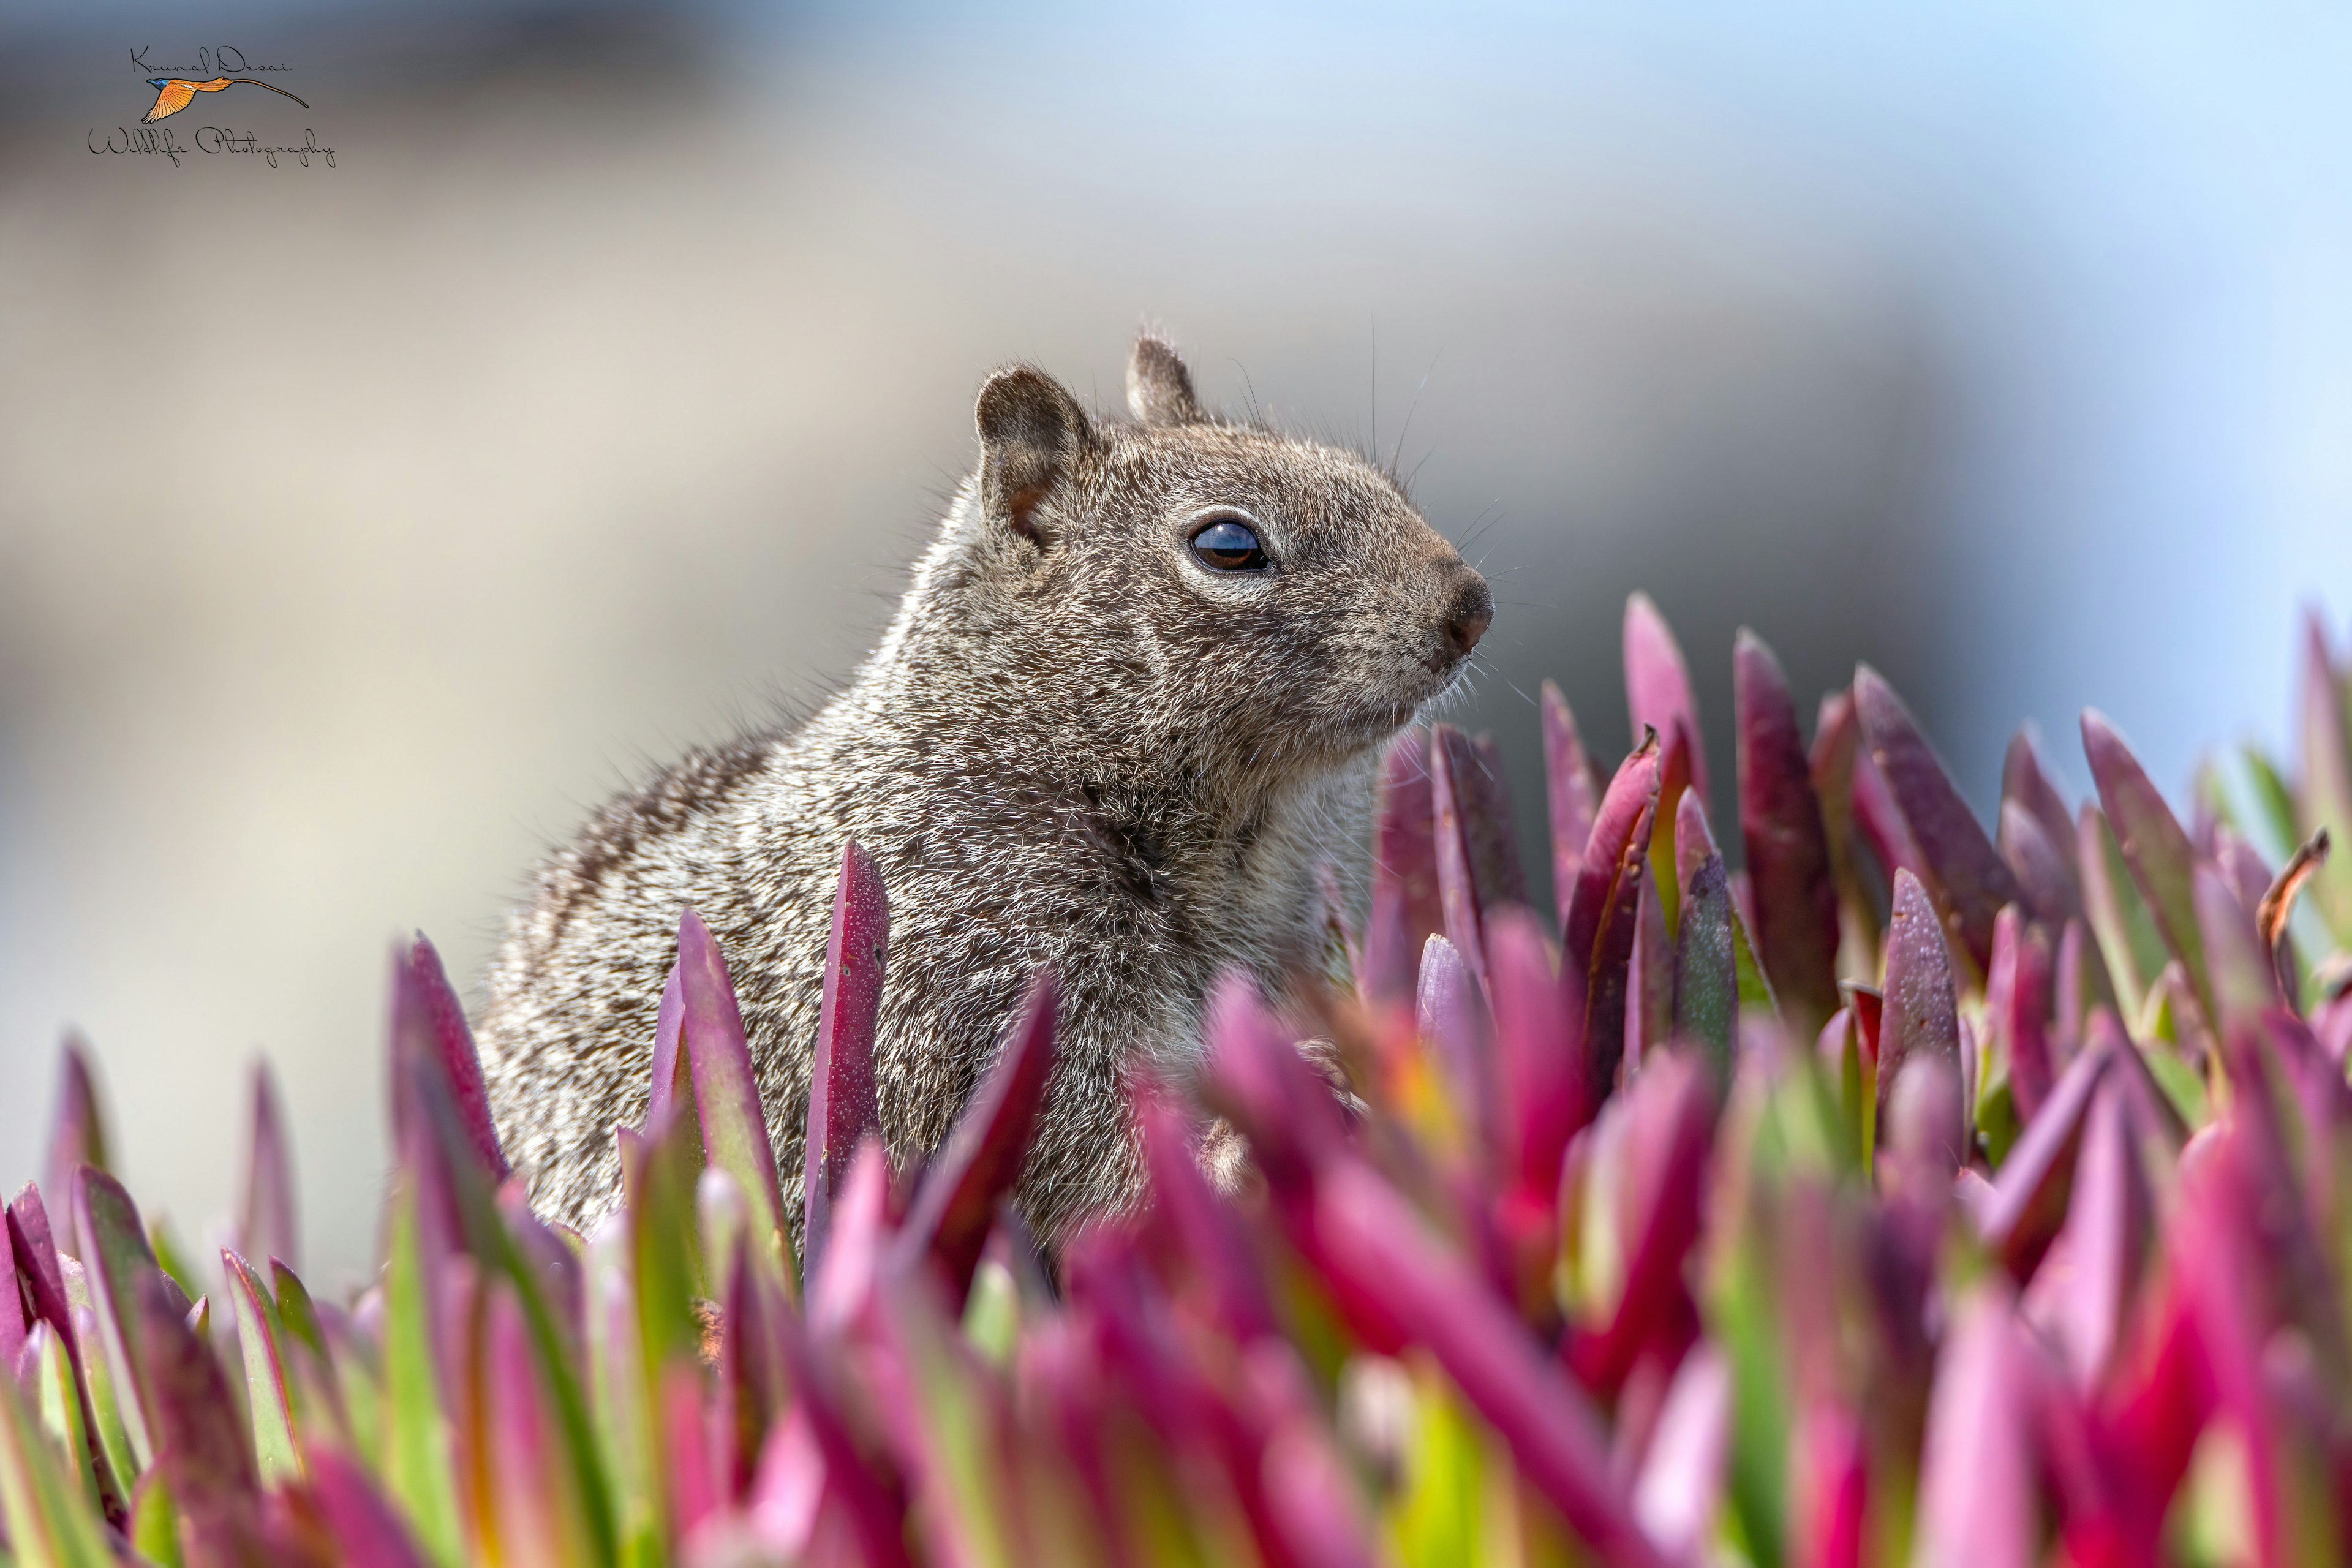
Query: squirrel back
point(1128, 709)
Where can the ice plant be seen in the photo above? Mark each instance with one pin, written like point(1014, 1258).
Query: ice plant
point(1922, 1194)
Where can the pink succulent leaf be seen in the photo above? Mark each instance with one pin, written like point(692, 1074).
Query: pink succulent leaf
point(1971, 878)
point(39, 1284)
point(845, 1273)
point(2082, 1294)
point(367, 1532)
point(1572, 794)
point(202, 1445)
point(1451, 1010)
point(1830, 1488)
point(2031, 1193)
point(2026, 784)
point(120, 1266)
point(536, 1513)
point(1314, 1508)
point(428, 1026)
point(269, 1229)
point(1539, 1018)
point(956, 1205)
point(1658, 685)
point(2017, 1009)
point(2243, 870)
point(1405, 908)
point(2242, 981)
point(2154, 846)
point(1265, 1088)
point(695, 1491)
point(2266, 1130)
point(1669, 1115)
point(867, 1500)
point(1604, 911)
point(1215, 1245)
point(1921, 1007)
point(2045, 875)
point(734, 1128)
point(1879, 822)
point(840, 1083)
point(1792, 889)
point(1375, 1243)
point(1977, 1491)
point(78, 1127)
point(266, 1383)
point(1485, 796)
point(1681, 1482)
point(12, 1321)
point(1457, 891)
point(672, 1086)
point(789, 1489)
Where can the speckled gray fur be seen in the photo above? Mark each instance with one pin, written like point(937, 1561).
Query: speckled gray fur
point(1075, 746)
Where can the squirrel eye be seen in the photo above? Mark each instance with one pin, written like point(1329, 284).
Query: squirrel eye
point(1229, 545)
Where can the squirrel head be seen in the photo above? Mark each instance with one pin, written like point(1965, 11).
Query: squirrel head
point(1199, 591)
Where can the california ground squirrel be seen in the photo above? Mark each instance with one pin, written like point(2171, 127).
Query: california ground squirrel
point(1129, 705)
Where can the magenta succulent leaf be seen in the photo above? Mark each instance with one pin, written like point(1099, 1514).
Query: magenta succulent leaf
point(1788, 873)
point(1406, 907)
point(201, 1446)
point(956, 1205)
point(1214, 1246)
point(1485, 790)
point(1453, 1015)
point(13, 1321)
point(2153, 844)
point(1970, 877)
point(428, 1026)
point(1539, 1014)
point(1978, 1501)
point(840, 1083)
point(78, 1129)
point(1921, 1014)
point(268, 1227)
point(120, 1265)
point(734, 1129)
point(2243, 980)
point(2026, 784)
point(2031, 1193)
point(366, 1530)
point(1374, 1243)
point(1572, 793)
point(1452, 761)
point(1668, 1113)
point(873, 1514)
point(2017, 1009)
point(2045, 875)
point(671, 1089)
point(1658, 685)
point(1604, 908)
point(2082, 1294)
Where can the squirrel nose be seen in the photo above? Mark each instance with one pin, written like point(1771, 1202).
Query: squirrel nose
point(1471, 612)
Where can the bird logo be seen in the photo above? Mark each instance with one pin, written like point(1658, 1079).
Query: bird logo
point(174, 93)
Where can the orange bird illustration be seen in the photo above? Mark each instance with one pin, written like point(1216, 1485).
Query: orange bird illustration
point(174, 93)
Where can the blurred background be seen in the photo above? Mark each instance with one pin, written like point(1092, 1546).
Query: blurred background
point(362, 526)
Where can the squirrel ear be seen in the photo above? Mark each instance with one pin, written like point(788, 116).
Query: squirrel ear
point(1158, 388)
point(1030, 430)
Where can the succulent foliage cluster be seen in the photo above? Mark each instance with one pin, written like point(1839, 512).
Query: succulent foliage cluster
point(1914, 1195)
